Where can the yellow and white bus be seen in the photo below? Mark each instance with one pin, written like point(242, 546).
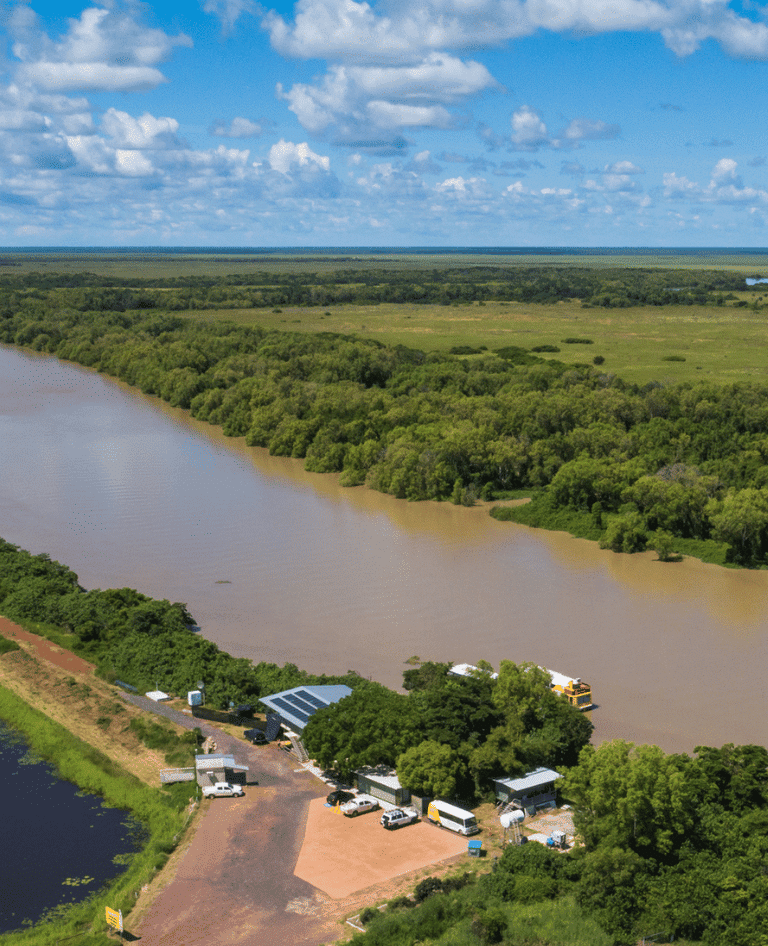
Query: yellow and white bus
point(453, 818)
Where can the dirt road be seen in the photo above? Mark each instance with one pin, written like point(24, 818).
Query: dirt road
point(235, 883)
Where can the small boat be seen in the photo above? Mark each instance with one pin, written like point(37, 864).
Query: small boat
point(578, 693)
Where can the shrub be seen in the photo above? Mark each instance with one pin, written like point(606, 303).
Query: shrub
point(458, 882)
point(400, 903)
point(598, 360)
point(625, 533)
point(673, 358)
point(368, 914)
point(490, 925)
point(516, 355)
point(540, 348)
point(577, 341)
point(465, 350)
point(6, 646)
point(426, 888)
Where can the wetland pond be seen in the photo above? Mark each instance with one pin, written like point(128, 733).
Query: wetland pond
point(59, 845)
point(282, 565)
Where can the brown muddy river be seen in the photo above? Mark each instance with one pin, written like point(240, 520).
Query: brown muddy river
point(282, 565)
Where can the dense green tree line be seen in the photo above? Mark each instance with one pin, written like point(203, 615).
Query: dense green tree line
point(647, 463)
point(451, 735)
point(371, 285)
point(675, 848)
point(134, 638)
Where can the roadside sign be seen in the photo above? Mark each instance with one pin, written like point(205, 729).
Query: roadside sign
point(115, 919)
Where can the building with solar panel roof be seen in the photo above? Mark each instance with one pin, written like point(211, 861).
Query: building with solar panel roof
point(295, 707)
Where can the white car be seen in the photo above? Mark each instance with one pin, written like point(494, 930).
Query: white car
point(358, 805)
point(398, 817)
point(222, 790)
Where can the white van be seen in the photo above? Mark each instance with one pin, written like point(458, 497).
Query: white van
point(453, 818)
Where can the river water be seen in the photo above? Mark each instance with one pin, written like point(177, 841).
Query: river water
point(282, 565)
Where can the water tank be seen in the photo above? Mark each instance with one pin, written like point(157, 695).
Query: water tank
point(511, 817)
point(194, 698)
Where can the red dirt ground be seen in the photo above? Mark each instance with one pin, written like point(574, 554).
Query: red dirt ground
point(343, 855)
point(45, 649)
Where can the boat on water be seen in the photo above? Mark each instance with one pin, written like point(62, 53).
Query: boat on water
point(576, 691)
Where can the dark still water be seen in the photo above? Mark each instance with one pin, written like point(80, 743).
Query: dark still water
point(282, 565)
point(58, 845)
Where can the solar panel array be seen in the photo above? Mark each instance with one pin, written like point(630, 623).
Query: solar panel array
point(299, 705)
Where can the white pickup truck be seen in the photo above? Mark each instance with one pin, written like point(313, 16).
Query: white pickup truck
point(222, 790)
point(358, 805)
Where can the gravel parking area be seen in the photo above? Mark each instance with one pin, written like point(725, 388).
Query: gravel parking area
point(341, 855)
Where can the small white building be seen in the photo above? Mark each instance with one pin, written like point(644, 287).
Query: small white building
point(531, 791)
point(219, 768)
point(382, 782)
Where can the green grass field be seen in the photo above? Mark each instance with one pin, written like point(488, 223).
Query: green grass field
point(717, 343)
point(724, 343)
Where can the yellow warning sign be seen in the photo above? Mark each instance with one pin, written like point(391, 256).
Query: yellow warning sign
point(115, 919)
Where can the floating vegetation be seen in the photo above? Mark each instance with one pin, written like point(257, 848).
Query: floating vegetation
point(78, 881)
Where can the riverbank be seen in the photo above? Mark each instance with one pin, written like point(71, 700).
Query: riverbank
point(332, 578)
point(78, 723)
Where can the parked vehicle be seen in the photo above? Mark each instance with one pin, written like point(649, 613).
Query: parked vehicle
point(453, 818)
point(222, 790)
point(257, 736)
point(339, 797)
point(358, 806)
point(397, 817)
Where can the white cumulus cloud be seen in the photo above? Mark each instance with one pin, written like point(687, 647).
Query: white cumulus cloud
point(237, 128)
point(139, 133)
point(397, 115)
point(285, 156)
point(103, 50)
point(528, 130)
point(585, 129)
point(346, 30)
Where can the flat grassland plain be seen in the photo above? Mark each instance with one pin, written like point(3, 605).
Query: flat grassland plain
point(723, 343)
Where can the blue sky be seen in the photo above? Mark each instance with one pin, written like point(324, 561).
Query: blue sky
point(388, 123)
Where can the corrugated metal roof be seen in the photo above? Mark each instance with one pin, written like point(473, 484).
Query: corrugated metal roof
point(298, 705)
point(530, 780)
point(388, 777)
point(205, 763)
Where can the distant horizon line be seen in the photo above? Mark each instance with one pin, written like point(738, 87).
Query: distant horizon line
point(376, 250)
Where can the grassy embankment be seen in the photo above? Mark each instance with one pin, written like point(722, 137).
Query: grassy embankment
point(99, 742)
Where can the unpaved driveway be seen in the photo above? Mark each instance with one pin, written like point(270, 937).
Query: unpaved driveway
point(235, 884)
